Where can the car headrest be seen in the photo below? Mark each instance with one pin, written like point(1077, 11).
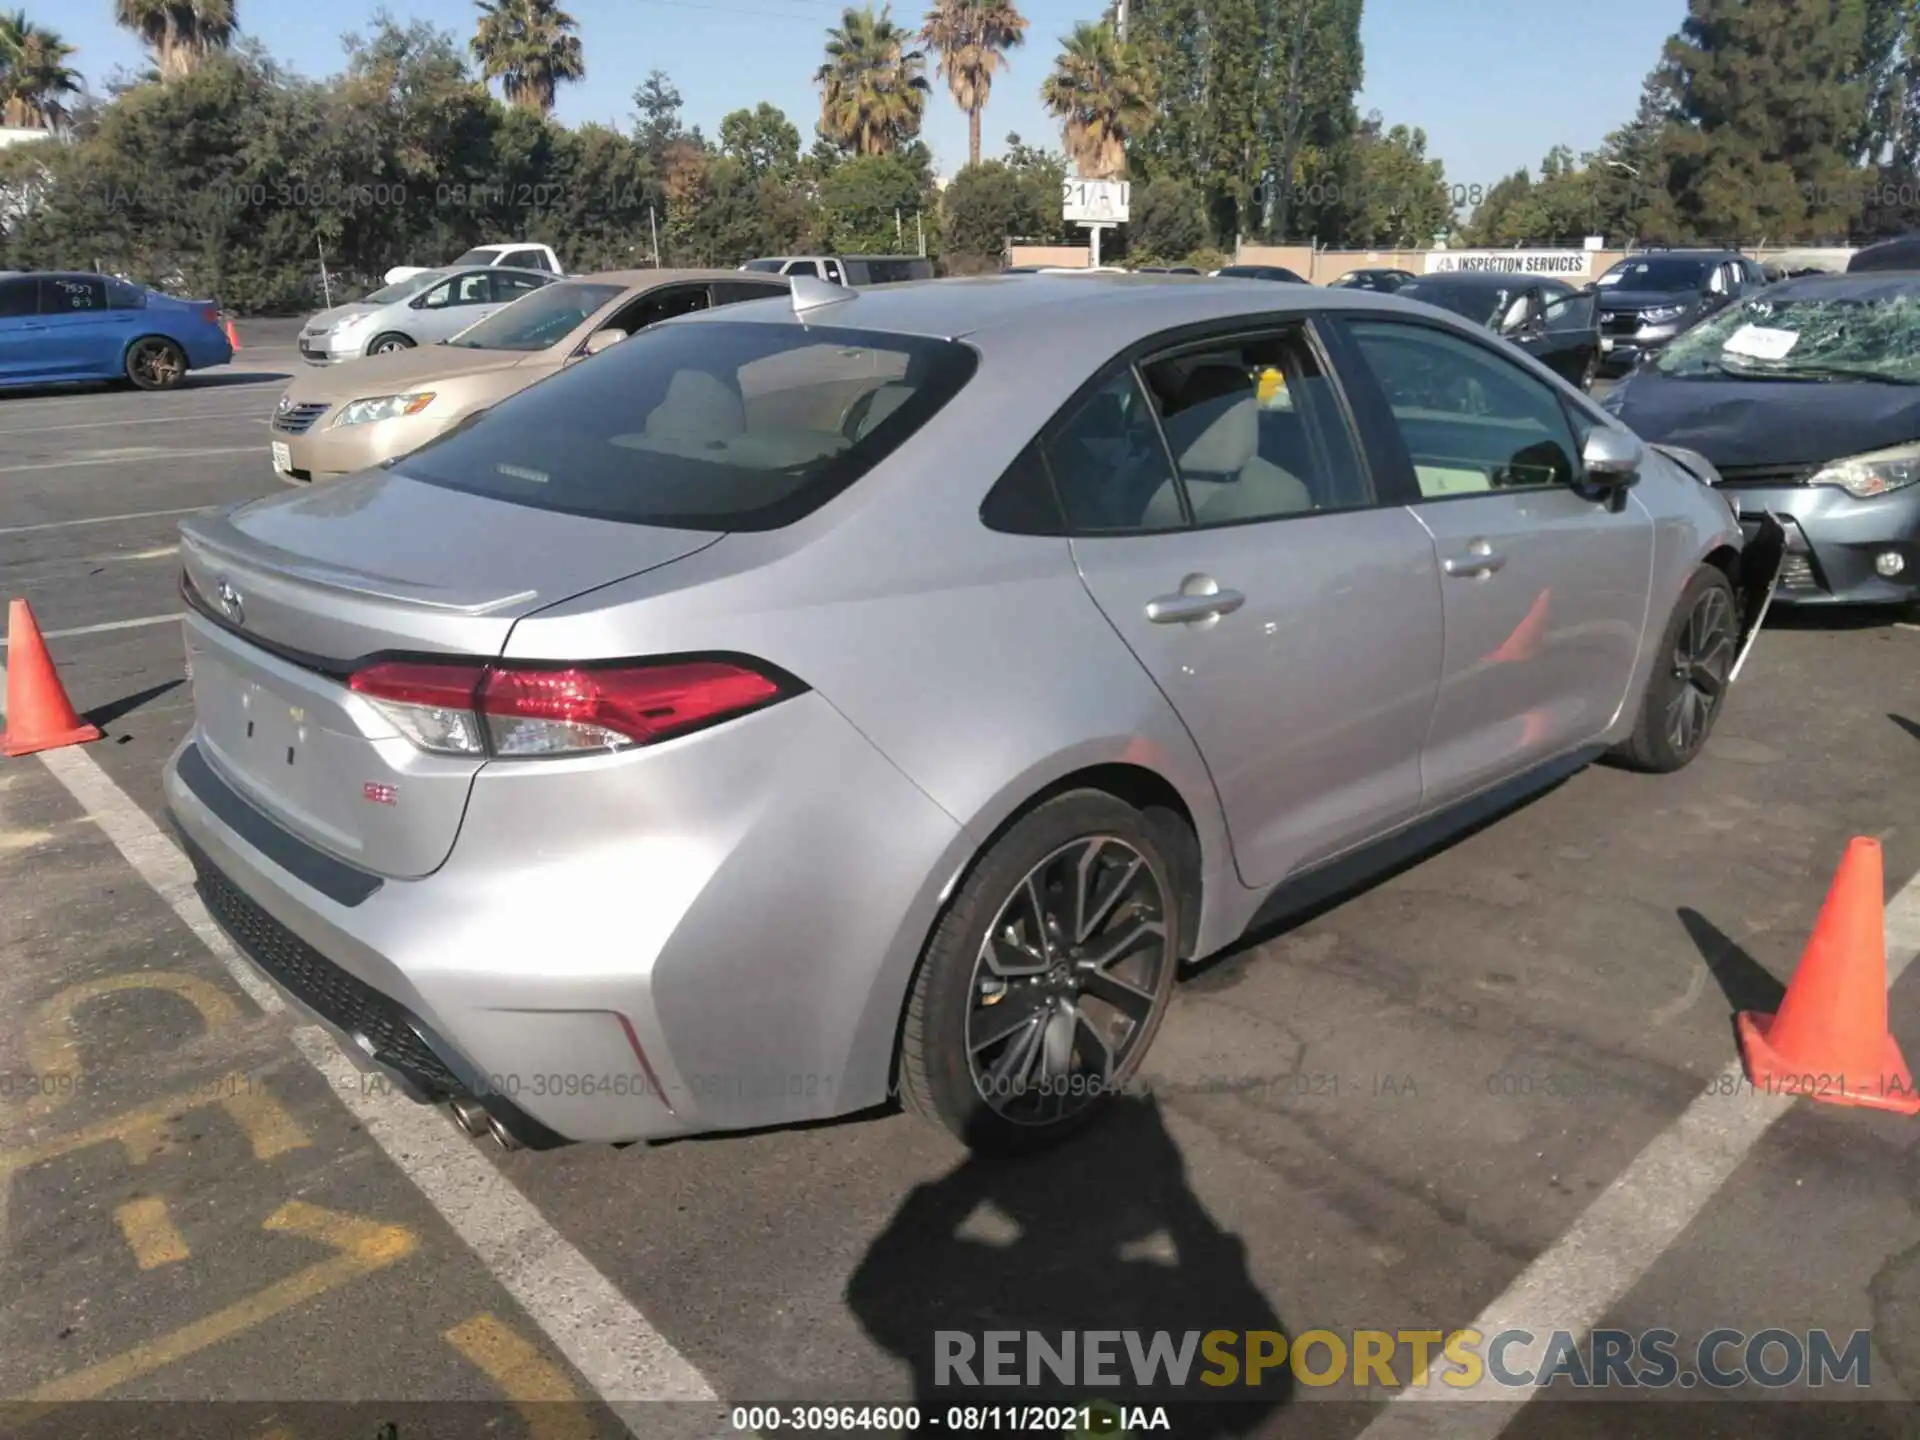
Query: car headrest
point(698, 406)
point(1217, 437)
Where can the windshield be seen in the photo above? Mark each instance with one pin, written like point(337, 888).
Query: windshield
point(1477, 303)
point(403, 289)
point(1807, 339)
point(728, 426)
point(485, 255)
point(1657, 274)
point(538, 319)
point(771, 267)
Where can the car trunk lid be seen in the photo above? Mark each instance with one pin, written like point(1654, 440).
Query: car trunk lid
point(291, 595)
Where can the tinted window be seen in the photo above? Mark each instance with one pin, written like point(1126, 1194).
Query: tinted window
point(660, 305)
point(703, 427)
point(527, 259)
point(64, 294)
point(123, 296)
point(508, 287)
point(1022, 501)
point(1109, 465)
point(1471, 420)
point(732, 292)
point(1257, 432)
point(482, 256)
point(804, 267)
point(543, 318)
point(19, 297)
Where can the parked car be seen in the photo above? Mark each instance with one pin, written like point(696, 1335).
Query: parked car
point(1384, 282)
point(1806, 398)
point(74, 325)
point(513, 254)
point(422, 310)
point(650, 756)
point(1650, 297)
point(1549, 319)
point(1261, 272)
point(847, 269)
point(1902, 252)
point(391, 403)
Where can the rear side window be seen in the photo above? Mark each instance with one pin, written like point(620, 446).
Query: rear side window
point(705, 426)
point(18, 298)
point(122, 296)
point(527, 260)
point(732, 292)
point(804, 267)
point(64, 294)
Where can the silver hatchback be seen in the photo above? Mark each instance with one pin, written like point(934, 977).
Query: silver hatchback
point(818, 701)
point(422, 309)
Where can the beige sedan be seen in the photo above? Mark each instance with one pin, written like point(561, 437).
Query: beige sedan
point(347, 417)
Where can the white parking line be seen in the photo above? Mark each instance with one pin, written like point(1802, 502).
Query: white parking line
point(597, 1329)
point(1577, 1280)
point(100, 520)
point(114, 423)
point(137, 624)
point(148, 454)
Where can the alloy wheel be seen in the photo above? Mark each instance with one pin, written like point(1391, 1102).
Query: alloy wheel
point(388, 347)
point(1068, 982)
point(156, 363)
point(1702, 658)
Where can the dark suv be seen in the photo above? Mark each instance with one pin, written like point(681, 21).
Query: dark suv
point(1653, 295)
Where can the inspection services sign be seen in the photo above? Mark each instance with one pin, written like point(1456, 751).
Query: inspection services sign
point(1566, 264)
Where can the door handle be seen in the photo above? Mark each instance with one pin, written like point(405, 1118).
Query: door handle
point(1478, 561)
point(1179, 609)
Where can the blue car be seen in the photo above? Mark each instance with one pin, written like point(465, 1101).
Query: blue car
point(63, 326)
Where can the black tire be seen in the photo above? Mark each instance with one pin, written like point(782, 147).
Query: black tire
point(1706, 619)
point(154, 362)
point(938, 1078)
point(388, 343)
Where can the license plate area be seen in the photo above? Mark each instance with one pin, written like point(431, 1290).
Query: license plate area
point(282, 457)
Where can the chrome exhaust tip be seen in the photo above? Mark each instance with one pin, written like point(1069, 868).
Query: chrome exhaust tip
point(500, 1135)
point(470, 1115)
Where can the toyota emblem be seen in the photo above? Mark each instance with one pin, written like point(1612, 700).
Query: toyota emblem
point(229, 599)
point(286, 403)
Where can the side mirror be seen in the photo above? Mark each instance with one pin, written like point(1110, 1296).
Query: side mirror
point(419, 302)
point(1612, 458)
point(602, 339)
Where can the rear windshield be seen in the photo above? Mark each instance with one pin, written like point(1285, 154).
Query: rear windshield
point(703, 425)
point(1478, 303)
point(486, 255)
point(539, 318)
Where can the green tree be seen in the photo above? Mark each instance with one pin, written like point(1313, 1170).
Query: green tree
point(873, 88)
point(761, 139)
point(1166, 224)
point(1102, 93)
point(35, 79)
point(1631, 173)
point(659, 124)
point(180, 33)
point(1398, 197)
point(972, 38)
point(1770, 101)
point(530, 47)
point(1559, 208)
point(870, 201)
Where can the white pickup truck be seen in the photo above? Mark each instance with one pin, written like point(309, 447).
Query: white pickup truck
point(522, 254)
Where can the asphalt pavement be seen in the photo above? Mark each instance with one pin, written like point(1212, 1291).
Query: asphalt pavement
point(1490, 1086)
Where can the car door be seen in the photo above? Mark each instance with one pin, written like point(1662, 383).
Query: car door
point(1222, 519)
point(1544, 586)
point(1566, 331)
point(451, 306)
point(82, 338)
point(22, 356)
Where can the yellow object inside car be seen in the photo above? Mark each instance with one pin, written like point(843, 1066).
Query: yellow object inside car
point(1273, 389)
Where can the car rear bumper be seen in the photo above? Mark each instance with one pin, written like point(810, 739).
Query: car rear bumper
point(1833, 541)
point(326, 349)
point(714, 933)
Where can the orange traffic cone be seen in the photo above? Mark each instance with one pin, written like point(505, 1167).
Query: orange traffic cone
point(1830, 1039)
point(233, 336)
point(39, 715)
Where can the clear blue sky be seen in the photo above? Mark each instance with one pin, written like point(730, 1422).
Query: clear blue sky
point(1495, 83)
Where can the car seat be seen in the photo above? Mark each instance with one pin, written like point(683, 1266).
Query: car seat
point(1215, 435)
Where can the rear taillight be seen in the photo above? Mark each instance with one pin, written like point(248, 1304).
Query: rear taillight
point(514, 711)
point(210, 314)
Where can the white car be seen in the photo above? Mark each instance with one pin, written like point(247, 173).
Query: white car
point(519, 254)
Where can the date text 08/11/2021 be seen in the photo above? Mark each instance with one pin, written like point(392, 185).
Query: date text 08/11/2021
point(1095, 1418)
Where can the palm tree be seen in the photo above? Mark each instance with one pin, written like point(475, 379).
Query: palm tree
point(873, 89)
point(180, 33)
point(1102, 93)
point(972, 38)
point(529, 47)
point(34, 77)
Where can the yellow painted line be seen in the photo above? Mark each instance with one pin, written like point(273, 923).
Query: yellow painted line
point(362, 1246)
point(150, 1232)
point(538, 1388)
point(144, 1132)
point(53, 1047)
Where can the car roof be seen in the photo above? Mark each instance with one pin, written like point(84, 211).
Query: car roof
point(631, 279)
point(1107, 312)
point(1863, 285)
point(1477, 279)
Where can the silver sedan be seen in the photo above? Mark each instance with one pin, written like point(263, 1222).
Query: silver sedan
point(880, 694)
point(422, 309)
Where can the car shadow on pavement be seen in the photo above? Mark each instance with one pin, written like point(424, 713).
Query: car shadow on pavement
point(1102, 1234)
point(1747, 984)
point(1912, 727)
point(105, 715)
